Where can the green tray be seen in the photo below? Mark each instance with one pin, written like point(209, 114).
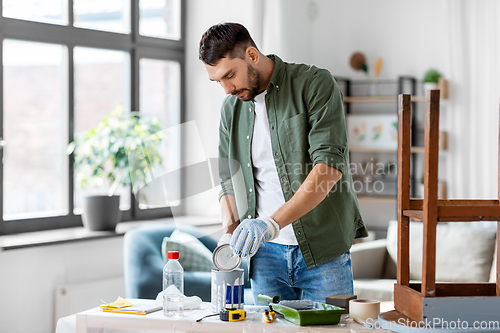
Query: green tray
point(320, 314)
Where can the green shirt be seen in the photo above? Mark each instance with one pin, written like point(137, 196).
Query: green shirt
point(307, 124)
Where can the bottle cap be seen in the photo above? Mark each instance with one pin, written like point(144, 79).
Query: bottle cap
point(173, 255)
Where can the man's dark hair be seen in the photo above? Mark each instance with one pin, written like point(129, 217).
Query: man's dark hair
point(224, 40)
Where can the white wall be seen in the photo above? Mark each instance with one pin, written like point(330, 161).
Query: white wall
point(29, 278)
point(398, 31)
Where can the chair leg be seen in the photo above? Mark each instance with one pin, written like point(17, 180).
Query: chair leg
point(430, 202)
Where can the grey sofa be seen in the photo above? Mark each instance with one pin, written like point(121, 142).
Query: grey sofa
point(465, 253)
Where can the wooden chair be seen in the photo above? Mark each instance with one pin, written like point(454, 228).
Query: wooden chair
point(428, 300)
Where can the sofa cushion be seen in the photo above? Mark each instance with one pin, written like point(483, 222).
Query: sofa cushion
point(379, 289)
point(193, 255)
point(368, 258)
point(463, 253)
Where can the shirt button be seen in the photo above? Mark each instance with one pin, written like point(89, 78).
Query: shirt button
point(248, 137)
point(283, 179)
point(250, 109)
point(250, 190)
point(276, 154)
point(272, 127)
point(299, 233)
point(248, 165)
point(249, 216)
point(277, 87)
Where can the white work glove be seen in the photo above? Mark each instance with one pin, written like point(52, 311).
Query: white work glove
point(225, 239)
point(250, 233)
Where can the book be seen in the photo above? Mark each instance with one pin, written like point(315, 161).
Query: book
point(138, 307)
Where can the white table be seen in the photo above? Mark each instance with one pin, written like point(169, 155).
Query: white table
point(96, 321)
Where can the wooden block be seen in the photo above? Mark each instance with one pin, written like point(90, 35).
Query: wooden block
point(443, 87)
point(443, 140)
point(442, 191)
point(408, 301)
point(341, 300)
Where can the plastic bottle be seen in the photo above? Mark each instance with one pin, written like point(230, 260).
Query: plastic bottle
point(173, 285)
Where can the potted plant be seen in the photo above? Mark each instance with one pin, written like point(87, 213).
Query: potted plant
point(101, 157)
point(431, 79)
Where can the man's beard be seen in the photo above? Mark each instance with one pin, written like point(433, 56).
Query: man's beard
point(254, 82)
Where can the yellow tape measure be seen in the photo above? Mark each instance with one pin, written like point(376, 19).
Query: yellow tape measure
point(232, 314)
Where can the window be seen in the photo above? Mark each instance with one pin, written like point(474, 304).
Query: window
point(102, 82)
point(35, 127)
point(108, 15)
point(50, 11)
point(63, 70)
point(160, 18)
point(159, 96)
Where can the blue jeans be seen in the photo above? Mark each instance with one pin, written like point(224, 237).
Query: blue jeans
point(279, 270)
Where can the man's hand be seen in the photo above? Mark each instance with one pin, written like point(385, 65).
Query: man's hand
point(250, 233)
point(225, 239)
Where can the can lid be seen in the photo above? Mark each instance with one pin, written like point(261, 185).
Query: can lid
point(173, 255)
point(224, 258)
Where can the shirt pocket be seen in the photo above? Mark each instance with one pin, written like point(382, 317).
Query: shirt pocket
point(296, 129)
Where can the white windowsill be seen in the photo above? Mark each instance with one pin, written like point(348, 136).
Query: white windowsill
point(58, 236)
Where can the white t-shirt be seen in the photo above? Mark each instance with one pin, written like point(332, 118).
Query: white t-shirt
point(269, 196)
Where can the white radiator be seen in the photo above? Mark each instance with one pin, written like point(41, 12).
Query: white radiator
point(72, 299)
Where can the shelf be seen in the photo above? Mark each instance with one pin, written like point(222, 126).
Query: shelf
point(377, 199)
point(372, 150)
point(379, 99)
point(416, 150)
point(371, 105)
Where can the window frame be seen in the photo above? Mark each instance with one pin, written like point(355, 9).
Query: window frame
point(137, 46)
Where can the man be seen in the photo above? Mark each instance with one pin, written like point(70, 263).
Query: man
point(284, 124)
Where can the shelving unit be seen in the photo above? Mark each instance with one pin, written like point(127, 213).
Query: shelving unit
point(414, 150)
point(377, 199)
point(379, 99)
point(356, 92)
point(359, 101)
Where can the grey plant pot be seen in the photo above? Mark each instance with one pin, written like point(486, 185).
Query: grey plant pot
point(101, 212)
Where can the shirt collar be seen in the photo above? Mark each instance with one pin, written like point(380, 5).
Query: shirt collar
point(278, 72)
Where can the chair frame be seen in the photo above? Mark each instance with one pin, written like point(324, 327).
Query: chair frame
point(419, 301)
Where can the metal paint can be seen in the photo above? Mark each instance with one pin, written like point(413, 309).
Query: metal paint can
point(228, 289)
point(224, 258)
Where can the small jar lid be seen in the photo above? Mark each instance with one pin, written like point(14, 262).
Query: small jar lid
point(224, 258)
point(173, 255)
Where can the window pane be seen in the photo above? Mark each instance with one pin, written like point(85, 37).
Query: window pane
point(160, 18)
point(35, 128)
point(109, 15)
point(101, 85)
point(160, 96)
point(49, 11)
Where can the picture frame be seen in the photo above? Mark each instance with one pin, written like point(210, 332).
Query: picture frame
point(372, 131)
